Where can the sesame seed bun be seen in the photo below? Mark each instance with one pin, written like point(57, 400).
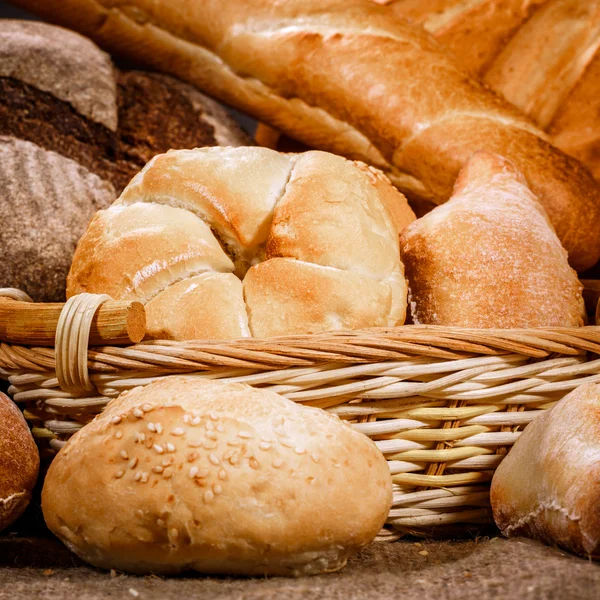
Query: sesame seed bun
point(19, 462)
point(189, 474)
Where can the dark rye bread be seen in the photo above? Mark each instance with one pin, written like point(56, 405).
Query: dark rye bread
point(86, 130)
point(47, 201)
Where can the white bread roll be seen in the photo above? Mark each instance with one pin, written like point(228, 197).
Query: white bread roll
point(330, 225)
point(489, 257)
point(190, 474)
point(548, 486)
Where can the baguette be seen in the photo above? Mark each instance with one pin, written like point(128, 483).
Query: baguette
point(541, 55)
point(347, 77)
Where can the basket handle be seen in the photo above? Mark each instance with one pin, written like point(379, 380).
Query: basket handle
point(28, 323)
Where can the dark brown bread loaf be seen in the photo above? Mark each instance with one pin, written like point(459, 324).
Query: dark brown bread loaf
point(60, 93)
point(19, 462)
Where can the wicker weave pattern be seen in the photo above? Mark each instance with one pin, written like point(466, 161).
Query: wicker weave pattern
point(443, 405)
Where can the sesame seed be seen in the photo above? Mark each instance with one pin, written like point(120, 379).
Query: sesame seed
point(279, 432)
point(144, 477)
point(264, 446)
point(168, 473)
point(254, 464)
point(140, 437)
point(124, 455)
point(220, 428)
point(277, 463)
point(315, 457)
point(133, 462)
point(157, 469)
point(213, 416)
point(195, 421)
point(208, 496)
point(146, 408)
point(134, 592)
point(210, 445)
point(118, 434)
point(116, 420)
point(217, 489)
point(211, 435)
point(174, 534)
point(192, 456)
point(202, 473)
point(233, 443)
point(138, 413)
point(186, 418)
point(228, 454)
point(213, 459)
point(158, 448)
point(336, 464)
point(137, 476)
point(159, 428)
point(193, 472)
point(235, 459)
point(244, 435)
point(119, 474)
point(223, 474)
point(167, 461)
point(177, 431)
point(287, 443)
point(151, 427)
point(195, 444)
point(170, 447)
point(209, 426)
point(299, 450)
point(160, 522)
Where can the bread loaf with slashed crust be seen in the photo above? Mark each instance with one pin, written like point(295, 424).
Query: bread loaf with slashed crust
point(233, 242)
point(349, 77)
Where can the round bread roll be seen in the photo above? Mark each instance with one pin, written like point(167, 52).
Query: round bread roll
point(189, 474)
point(313, 236)
point(19, 463)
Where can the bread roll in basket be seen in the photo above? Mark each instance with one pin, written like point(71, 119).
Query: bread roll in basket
point(226, 243)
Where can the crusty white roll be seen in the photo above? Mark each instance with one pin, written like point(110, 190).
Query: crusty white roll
point(489, 257)
point(190, 474)
point(314, 237)
point(548, 486)
point(19, 462)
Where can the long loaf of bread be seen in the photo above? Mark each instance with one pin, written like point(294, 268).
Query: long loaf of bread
point(541, 55)
point(347, 77)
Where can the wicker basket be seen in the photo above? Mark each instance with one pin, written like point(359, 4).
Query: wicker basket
point(443, 404)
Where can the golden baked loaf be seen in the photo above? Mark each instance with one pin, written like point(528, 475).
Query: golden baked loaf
point(489, 257)
point(309, 234)
point(548, 486)
point(541, 55)
point(348, 77)
point(19, 462)
point(189, 474)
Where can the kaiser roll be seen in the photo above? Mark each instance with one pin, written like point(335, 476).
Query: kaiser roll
point(190, 474)
point(19, 462)
point(313, 236)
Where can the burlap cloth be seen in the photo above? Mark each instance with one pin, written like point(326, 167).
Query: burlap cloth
point(478, 569)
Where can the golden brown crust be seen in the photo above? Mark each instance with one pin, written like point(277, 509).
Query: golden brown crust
point(186, 209)
point(547, 56)
point(548, 485)
point(189, 474)
point(315, 71)
point(206, 307)
point(489, 257)
point(19, 462)
point(286, 296)
point(475, 31)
